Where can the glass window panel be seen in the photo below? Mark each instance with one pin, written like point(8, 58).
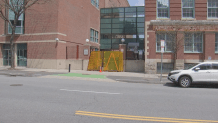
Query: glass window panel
point(140, 14)
point(140, 40)
point(105, 25)
point(130, 25)
point(105, 41)
point(141, 46)
point(140, 24)
point(6, 46)
point(166, 67)
point(130, 40)
point(212, 8)
point(116, 41)
point(193, 42)
point(130, 19)
point(105, 46)
point(105, 15)
point(118, 26)
point(163, 3)
point(169, 39)
point(105, 20)
point(115, 46)
point(130, 9)
point(140, 30)
point(118, 10)
point(118, 15)
point(105, 36)
point(140, 19)
point(130, 14)
point(117, 31)
point(118, 36)
point(106, 10)
point(103, 31)
point(130, 30)
point(118, 20)
point(141, 9)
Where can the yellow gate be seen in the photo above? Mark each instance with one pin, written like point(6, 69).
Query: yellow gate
point(106, 60)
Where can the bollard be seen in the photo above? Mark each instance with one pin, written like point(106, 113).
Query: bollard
point(69, 67)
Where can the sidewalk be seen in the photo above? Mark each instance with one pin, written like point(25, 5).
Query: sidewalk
point(87, 75)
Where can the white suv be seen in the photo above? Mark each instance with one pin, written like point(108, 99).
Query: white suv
point(203, 72)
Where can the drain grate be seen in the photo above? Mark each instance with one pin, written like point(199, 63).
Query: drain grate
point(16, 85)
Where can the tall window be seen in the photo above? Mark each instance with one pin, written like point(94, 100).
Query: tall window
point(95, 3)
point(193, 42)
point(216, 42)
point(169, 39)
point(20, 22)
point(188, 8)
point(163, 8)
point(93, 35)
point(212, 7)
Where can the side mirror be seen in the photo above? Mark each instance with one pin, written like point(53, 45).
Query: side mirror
point(197, 69)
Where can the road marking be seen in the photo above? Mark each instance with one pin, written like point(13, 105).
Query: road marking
point(143, 118)
point(90, 91)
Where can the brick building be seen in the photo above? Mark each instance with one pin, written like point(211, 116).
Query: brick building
point(54, 35)
point(190, 24)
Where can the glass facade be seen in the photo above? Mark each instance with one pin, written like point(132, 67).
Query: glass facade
point(118, 23)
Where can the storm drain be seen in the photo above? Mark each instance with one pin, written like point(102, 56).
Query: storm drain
point(16, 85)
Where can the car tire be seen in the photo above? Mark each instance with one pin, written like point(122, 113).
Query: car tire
point(185, 81)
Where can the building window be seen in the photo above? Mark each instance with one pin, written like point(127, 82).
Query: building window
point(188, 8)
point(19, 25)
point(95, 3)
point(216, 42)
point(193, 42)
point(169, 39)
point(93, 35)
point(166, 67)
point(163, 8)
point(212, 7)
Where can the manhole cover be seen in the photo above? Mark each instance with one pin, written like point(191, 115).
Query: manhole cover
point(16, 85)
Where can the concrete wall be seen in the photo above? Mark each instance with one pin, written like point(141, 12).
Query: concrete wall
point(1, 62)
point(77, 64)
point(135, 66)
point(46, 63)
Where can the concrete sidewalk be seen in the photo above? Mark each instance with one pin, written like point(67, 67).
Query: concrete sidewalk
point(115, 76)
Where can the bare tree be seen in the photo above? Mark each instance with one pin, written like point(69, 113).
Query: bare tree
point(17, 7)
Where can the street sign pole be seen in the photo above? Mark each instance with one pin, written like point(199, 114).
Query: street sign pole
point(162, 51)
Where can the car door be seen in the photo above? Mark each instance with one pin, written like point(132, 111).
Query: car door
point(203, 74)
point(214, 72)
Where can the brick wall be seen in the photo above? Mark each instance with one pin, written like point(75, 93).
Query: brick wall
point(42, 50)
point(116, 3)
point(175, 10)
point(209, 46)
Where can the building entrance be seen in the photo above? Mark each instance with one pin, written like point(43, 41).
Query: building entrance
point(6, 55)
point(21, 54)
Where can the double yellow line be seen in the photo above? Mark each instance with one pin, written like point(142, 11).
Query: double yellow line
point(142, 118)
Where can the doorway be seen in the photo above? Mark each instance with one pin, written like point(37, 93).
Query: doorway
point(22, 55)
point(6, 55)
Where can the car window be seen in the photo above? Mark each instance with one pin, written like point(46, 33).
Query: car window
point(204, 66)
point(215, 66)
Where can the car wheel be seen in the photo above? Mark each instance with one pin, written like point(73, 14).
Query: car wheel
point(185, 81)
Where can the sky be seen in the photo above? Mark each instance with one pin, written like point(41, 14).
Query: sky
point(136, 2)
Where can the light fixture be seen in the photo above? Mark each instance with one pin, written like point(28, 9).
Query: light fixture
point(87, 40)
point(122, 40)
point(56, 39)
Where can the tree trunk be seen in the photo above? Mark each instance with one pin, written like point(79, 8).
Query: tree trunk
point(12, 49)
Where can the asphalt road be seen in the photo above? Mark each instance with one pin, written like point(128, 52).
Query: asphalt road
point(44, 100)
